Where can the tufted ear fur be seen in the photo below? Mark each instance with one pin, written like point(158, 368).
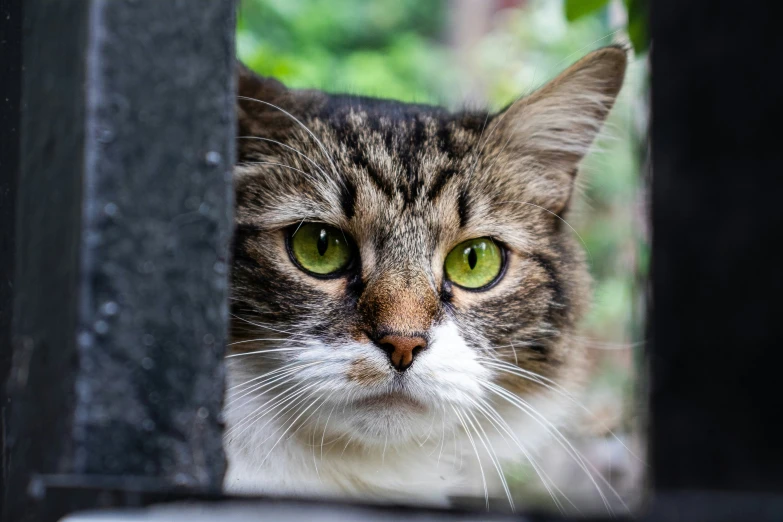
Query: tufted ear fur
point(552, 129)
point(559, 122)
point(254, 93)
point(269, 110)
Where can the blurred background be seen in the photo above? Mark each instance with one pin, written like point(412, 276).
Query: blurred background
point(487, 53)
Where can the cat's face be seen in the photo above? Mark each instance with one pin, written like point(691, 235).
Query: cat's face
point(396, 264)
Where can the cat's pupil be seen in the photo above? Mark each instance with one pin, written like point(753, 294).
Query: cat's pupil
point(472, 258)
point(323, 241)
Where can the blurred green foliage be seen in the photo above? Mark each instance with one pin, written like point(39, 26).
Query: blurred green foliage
point(636, 11)
point(638, 14)
point(576, 9)
point(375, 48)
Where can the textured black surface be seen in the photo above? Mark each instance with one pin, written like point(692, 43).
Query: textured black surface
point(124, 218)
point(717, 347)
point(48, 221)
point(680, 507)
point(10, 93)
point(88, 500)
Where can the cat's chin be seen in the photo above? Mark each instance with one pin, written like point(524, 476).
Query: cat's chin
point(390, 401)
point(387, 419)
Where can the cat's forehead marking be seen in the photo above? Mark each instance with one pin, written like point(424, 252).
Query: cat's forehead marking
point(405, 175)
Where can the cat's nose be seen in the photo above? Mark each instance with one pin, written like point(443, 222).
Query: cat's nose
point(401, 349)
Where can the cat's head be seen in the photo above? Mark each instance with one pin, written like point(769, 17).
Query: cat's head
point(397, 263)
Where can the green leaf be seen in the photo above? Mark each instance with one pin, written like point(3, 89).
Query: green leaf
point(576, 9)
point(637, 32)
point(637, 24)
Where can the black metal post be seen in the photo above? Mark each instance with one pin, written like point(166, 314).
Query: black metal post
point(123, 210)
point(10, 95)
point(717, 346)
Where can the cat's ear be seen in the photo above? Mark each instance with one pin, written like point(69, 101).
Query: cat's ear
point(267, 107)
point(251, 85)
point(257, 97)
point(556, 125)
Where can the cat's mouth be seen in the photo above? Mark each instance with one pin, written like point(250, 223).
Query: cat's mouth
point(391, 400)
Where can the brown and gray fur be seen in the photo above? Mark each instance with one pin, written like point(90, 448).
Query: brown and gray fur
point(405, 183)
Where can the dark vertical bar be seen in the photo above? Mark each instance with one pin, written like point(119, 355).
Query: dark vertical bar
point(124, 218)
point(717, 339)
point(48, 207)
point(10, 93)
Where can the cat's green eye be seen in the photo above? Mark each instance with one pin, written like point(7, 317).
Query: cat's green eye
point(474, 263)
point(320, 249)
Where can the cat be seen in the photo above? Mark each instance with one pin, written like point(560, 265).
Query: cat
point(405, 290)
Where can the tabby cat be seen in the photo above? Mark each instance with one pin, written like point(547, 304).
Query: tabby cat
point(405, 288)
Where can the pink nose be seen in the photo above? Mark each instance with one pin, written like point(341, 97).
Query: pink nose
point(402, 349)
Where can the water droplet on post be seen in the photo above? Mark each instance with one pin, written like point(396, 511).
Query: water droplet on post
point(109, 308)
point(110, 209)
point(214, 158)
point(101, 327)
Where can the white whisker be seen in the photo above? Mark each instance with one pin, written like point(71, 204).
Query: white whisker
point(525, 407)
point(285, 376)
point(292, 149)
point(267, 327)
point(283, 165)
point(489, 412)
point(267, 350)
point(264, 375)
point(560, 390)
point(492, 457)
point(288, 398)
point(478, 457)
point(250, 418)
point(286, 431)
point(306, 129)
point(561, 219)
